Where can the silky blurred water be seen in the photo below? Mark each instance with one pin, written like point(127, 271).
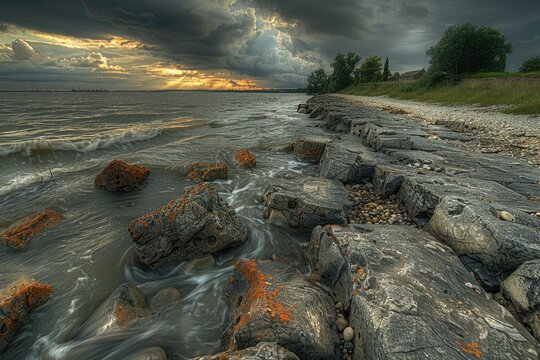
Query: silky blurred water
point(89, 254)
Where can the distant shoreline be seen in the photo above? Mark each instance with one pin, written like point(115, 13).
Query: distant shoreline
point(278, 91)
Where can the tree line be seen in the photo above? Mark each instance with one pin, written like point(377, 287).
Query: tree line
point(462, 49)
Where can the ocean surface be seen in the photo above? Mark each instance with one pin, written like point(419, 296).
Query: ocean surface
point(72, 136)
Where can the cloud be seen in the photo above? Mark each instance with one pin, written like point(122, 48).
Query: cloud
point(94, 60)
point(22, 50)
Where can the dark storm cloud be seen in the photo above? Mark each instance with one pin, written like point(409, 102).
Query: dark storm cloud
point(280, 40)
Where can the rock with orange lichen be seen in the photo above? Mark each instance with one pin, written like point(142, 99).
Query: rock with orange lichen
point(193, 225)
point(273, 302)
point(119, 176)
point(245, 159)
point(18, 234)
point(203, 171)
point(262, 351)
point(408, 296)
point(15, 305)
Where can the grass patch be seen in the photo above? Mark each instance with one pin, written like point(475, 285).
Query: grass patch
point(520, 93)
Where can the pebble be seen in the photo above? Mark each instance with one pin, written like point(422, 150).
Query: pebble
point(348, 334)
point(341, 323)
point(506, 216)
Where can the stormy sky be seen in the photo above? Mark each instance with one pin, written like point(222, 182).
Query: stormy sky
point(231, 44)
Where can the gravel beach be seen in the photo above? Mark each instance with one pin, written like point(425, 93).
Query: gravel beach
point(494, 132)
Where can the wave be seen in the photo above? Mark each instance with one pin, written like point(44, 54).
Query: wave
point(100, 141)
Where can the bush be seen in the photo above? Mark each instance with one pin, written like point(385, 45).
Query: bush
point(317, 82)
point(370, 70)
point(530, 65)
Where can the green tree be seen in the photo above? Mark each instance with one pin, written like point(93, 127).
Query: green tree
point(386, 72)
point(468, 48)
point(317, 81)
point(530, 64)
point(343, 74)
point(370, 70)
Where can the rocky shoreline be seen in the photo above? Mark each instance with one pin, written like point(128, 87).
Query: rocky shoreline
point(419, 248)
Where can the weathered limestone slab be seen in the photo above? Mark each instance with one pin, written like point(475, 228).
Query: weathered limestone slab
point(421, 194)
point(310, 148)
point(470, 227)
point(387, 179)
point(409, 297)
point(261, 351)
point(195, 224)
point(273, 302)
point(348, 161)
point(336, 121)
point(522, 288)
point(304, 202)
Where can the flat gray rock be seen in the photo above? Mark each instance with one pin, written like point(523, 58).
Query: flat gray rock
point(304, 202)
point(273, 302)
point(310, 148)
point(409, 297)
point(470, 227)
point(261, 351)
point(153, 353)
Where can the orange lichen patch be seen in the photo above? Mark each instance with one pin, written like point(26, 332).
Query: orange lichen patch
point(16, 236)
point(119, 176)
point(16, 303)
point(245, 159)
point(471, 348)
point(202, 171)
point(259, 298)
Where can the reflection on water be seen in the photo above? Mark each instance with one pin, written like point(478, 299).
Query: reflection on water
point(89, 254)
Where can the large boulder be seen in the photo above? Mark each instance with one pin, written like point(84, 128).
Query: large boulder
point(409, 297)
point(203, 171)
point(261, 351)
point(348, 161)
point(310, 148)
point(522, 288)
point(17, 235)
point(119, 176)
point(244, 158)
point(195, 224)
point(16, 304)
point(470, 227)
point(304, 202)
point(273, 302)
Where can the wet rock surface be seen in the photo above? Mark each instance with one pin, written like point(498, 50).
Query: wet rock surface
point(522, 289)
point(397, 280)
point(310, 149)
point(273, 302)
point(16, 304)
point(244, 158)
point(304, 202)
point(193, 225)
point(153, 353)
point(17, 235)
point(126, 306)
point(261, 351)
point(119, 176)
point(204, 171)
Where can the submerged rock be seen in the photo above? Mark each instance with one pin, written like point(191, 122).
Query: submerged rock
point(409, 297)
point(261, 351)
point(310, 149)
point(203, 171)
point(119, 176)
point(273, 302)
point(153, 353)
point(522, 288)
point(305, 201)
point(245, 159)
point(195, 224)
point(126, 306)
point(15, 306)
point(18, 234)
point(165, 298)
point(469, 227)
